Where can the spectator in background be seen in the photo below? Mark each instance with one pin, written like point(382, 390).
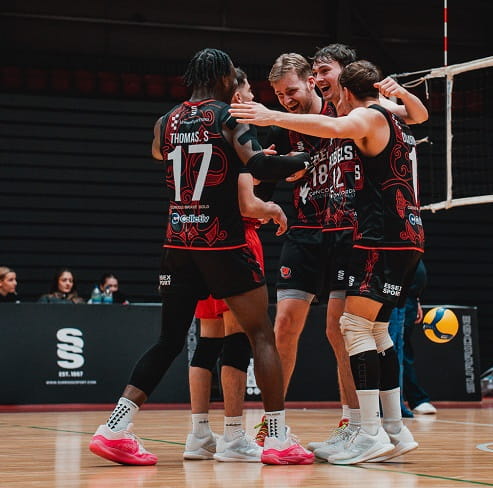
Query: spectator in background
point(8, 285)
point(417, 398)
point(109, 280)
point(63, 289)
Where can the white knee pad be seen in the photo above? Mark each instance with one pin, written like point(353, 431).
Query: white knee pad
point(357, 333)
point(382, 337)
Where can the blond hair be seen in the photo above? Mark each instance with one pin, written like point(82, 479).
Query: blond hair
point(290, 62)
point(4, 271)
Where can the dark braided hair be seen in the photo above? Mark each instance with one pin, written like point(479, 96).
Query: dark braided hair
point(206, 67)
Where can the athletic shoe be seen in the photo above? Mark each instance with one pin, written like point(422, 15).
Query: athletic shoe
point(335, 436)
point(363, 446)
point(335, 443)
point(122, 447)
point(243, 449)
point(199, 448)
point(288, 451)
point(262, 433)
point(403, 442)
point(425, 408)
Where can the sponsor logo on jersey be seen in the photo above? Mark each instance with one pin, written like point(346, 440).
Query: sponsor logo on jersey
point(285, 272)
point(414, 219)
point(304, 191)
point(189, 219)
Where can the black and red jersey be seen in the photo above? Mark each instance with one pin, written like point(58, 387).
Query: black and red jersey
point(387, 205)
point(344, 171)
point(202, 171)
point(311, 193)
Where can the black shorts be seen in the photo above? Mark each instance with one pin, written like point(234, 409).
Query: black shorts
point(221, 273)
point(382, 275)
point(339, 245)
point(303, 259)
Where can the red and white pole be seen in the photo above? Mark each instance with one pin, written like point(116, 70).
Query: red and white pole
point(445, 38)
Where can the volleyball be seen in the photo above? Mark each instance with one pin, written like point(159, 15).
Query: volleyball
point(440, 325)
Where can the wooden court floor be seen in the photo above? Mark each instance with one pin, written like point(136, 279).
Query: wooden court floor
point(49, 449)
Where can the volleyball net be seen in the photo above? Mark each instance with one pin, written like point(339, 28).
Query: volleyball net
point(455, 146)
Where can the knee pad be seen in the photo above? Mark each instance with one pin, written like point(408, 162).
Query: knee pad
point(382, 337)
point(237, 351)
point(207, 352)
point(357, 333)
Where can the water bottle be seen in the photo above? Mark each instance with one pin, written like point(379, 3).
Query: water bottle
point(96, 297)
point(108, 296)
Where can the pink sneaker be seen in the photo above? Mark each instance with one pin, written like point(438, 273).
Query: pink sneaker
point(285, 452)
point(121, 447)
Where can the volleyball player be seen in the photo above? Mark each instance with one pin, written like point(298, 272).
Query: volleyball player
point(205, 252)
point(388, 243)
point(328, 63)
point(222, 336)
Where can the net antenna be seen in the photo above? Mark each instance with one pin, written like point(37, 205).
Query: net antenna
point(459, 168)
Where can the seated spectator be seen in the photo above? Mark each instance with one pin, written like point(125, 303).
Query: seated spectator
point(63, 289)
point(109, 280)
point(8, 285)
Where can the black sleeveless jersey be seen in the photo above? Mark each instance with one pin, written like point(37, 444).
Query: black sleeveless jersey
point(202, 171)
point(387, 204)
point(345, 168)
point(311, 193)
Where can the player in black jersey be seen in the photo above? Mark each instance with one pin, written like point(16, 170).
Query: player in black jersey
point(205, 253)
point(344, 164)
point(302, 256)
point(388, 242)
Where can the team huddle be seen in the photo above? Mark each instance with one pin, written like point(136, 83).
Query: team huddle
point(356, 237)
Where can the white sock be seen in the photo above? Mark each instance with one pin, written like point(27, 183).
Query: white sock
point(276, 424)
point(345, 412)
point(233, 428)
point(122, 415)
point(354, 417)
point(200, 424)
point(369, 410)
point(391, 407)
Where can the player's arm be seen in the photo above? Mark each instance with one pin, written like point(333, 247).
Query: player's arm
point(261, 166)
point(156, 142)
point(412, 112)
point(356, 125)
point(254, 207)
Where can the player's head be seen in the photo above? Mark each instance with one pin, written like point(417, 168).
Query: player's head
point(211, 72)
point(243, 92)
point(327, 65)
point(357, 85)
point(293, 83)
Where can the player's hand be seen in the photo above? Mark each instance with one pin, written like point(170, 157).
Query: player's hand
point(270, 151)
point(296, 176)
point(419, 315)
point(278, 217)
point(252, 113)
point(388, 87)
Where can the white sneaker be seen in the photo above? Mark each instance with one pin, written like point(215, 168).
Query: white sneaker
point(403, 442)
point(425, 408)
point(335, 443)
point(200, 447)
point(243, 450)
point(335, 436)
point(363, 446)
